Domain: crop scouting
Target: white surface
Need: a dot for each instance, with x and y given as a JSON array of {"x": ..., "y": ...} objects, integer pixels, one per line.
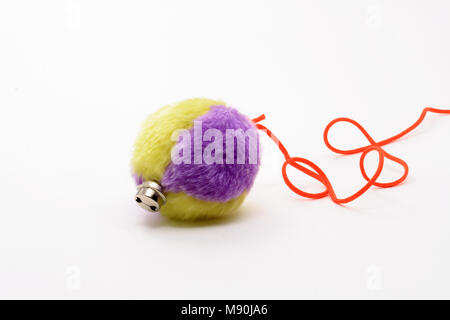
[{"x": 78, "y": 77}]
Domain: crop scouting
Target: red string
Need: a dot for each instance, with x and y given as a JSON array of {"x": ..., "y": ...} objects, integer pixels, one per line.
[{"x": 316, "y": 173}]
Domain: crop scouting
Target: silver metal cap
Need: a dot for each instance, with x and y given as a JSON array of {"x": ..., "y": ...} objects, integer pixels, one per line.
[{"x": 149, "y": 196}]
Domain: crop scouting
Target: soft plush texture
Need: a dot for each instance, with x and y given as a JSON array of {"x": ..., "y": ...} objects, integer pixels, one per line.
[
  {"x": 153, "y": 144},
  {"x": 194, "y": 191},
  {"x": 183, "y": 207},
  {"x": 223, "y": 181}
]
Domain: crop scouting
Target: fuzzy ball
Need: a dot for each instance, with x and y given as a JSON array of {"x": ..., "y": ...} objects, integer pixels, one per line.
[{"x": 204, "y": 154}]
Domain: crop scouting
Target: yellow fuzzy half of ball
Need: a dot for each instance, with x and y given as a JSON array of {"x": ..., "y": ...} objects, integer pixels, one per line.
[{"x": 184, "y": 207}]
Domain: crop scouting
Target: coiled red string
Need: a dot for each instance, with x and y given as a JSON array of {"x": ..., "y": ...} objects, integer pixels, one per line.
[{"x": 316, "y": 173}]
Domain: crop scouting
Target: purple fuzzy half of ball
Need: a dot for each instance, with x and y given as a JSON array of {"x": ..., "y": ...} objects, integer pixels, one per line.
[{"x": 216, "y": 182}]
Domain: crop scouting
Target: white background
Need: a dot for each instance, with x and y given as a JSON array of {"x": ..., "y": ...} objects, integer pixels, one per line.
[{"x": 77, "y": 78}]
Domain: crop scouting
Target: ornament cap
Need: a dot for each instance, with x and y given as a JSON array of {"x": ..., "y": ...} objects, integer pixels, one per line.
[{"x": 149, "y": 196}]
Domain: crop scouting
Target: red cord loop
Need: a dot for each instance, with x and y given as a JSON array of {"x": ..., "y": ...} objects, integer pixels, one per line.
[{"x": 315, "y": 172}]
